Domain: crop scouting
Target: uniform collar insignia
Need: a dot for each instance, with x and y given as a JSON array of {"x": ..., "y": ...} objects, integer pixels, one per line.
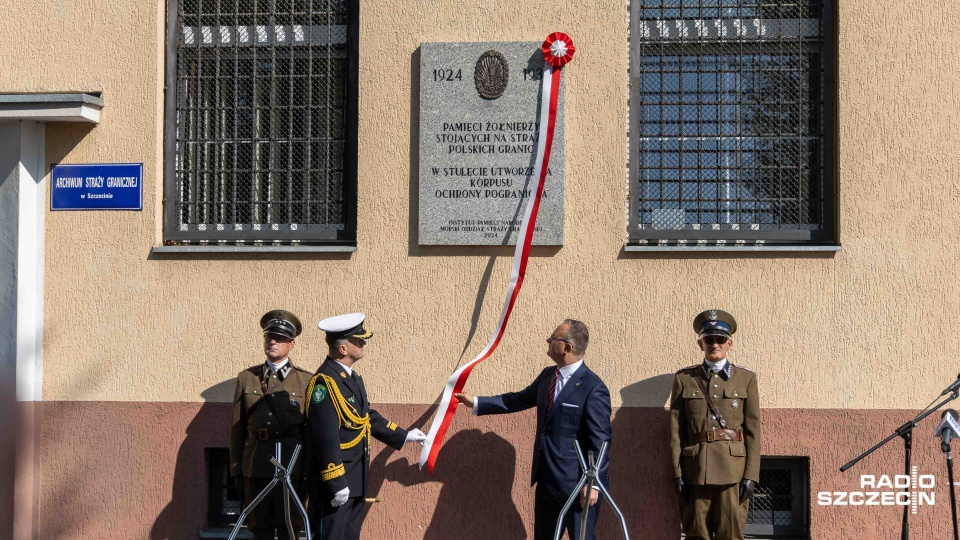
[
  {"x": 343, "y": 375},
  {"x": 725, "y": 372}
]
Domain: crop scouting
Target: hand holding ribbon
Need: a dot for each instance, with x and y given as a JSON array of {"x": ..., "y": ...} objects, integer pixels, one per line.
[{"x": 557, "y": 50}]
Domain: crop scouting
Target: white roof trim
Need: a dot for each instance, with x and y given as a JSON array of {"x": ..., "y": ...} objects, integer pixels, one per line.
[{"x": 59, "y": 107}]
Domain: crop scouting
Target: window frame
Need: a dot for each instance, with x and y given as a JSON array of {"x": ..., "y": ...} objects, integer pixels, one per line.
[
  {"x": 172, "y": 235},
  {"x": 799, "y": 467},
  {"x": 829, "y": 234}
]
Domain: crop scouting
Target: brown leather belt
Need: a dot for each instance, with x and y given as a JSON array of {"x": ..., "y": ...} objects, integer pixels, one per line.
[
  {"x": 713, "y": 435},
  {"x": 267, "y": 434}
]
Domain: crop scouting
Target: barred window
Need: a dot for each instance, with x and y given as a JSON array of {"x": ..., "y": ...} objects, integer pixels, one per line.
[
  {"x": 260, "y": 121},
  {"x": 779, "y": 508},
  {"x": 223, "y": 502},
  {"x": 732, "y": 115}
]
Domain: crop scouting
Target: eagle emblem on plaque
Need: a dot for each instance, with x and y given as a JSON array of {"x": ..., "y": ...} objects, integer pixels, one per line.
[{"x": 491, "y": 74}]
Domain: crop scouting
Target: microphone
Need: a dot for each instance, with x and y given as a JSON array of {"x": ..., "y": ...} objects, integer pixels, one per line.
[
  {"x": 953, "y": 387},
  {"x": 948, "y": 429}
]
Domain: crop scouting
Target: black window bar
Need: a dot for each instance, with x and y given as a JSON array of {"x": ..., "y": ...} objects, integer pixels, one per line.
[
  {"x": 779, "y": 508},
  {"x": 261, "y": 121},
  {"x": 731, "y": 129}
]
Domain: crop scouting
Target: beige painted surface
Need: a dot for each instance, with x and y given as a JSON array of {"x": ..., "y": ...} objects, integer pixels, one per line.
[{"x": 871, "y": 327}]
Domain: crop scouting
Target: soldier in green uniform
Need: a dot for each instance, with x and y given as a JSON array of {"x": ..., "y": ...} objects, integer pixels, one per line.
[
  {"x": 715, "y": 435},
  {"x": 268, "y": 407},
  {"x": 340, "y": 422}
]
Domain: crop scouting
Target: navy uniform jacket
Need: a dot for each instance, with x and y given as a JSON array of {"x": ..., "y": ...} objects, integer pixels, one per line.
[
  {"x": 580, "y": 412},
  {"x": 332, "y": 467}
]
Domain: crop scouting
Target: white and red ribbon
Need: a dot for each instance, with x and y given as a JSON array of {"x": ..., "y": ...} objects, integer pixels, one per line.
[{"x": 558, "y": 49}]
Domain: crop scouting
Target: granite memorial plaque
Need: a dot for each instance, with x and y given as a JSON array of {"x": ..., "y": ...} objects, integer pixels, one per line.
[{"x": 479, "y": 109}]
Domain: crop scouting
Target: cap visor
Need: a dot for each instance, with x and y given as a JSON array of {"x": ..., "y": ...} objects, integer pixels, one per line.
[{"x": 278, "y": 331}]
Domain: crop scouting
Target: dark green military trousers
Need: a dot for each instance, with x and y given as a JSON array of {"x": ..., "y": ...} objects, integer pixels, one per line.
[{"x": 714, "y": 510}]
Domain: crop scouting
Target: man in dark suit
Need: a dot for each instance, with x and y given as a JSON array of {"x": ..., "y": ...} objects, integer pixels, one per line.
[
  {"x": 340, "y": 422},
  {"x": 572, "y": 404}
]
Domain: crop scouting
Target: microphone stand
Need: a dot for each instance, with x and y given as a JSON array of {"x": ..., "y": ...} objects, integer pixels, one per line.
[
  {"x": 905, "y": 432},
  {"x": 945, "y": 446},
  {"x": 591, "y": 478},
  {"x": 281, "y": 475}
]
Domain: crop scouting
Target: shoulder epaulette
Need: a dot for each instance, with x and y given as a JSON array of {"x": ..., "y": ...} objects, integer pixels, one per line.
[
  {"x": 738, "y": 366},
  {"x": 689, "y": 368}
]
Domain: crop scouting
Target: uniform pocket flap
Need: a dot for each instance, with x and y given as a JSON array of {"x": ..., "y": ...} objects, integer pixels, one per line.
[
  {"x": 691, "y": 392},
  {"x": 252, "y": 390},
  {"x": 734, "y": 392},
  {"x": 690, "y": 451},
  {"x": 737, "y": 449}
]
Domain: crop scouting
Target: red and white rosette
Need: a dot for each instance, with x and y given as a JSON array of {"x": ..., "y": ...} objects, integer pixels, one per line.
[{"x": 558, "y": 50}]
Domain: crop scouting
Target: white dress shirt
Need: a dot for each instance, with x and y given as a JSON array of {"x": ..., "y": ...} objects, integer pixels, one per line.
[
  {"x": 717, "y": 366},
  {"x": 278, "y": 366},
  {"x": 348, "y": 368}
]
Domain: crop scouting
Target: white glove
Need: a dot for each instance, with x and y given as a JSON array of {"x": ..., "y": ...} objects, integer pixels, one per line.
[
  {"x": 340, "y": 497},
  {"x": 416, "y": 435}
]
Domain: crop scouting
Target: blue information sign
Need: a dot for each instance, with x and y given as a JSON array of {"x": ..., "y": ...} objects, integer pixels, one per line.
[{"x": 99, "y": 186}]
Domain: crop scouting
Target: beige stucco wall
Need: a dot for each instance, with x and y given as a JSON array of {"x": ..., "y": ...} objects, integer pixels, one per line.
[{"x": 871, "y": 327}]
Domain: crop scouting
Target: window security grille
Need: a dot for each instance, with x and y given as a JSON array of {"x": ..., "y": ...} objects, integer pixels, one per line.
[
  {"x": 729, "y": 123},
  {"x": 779, "y": 505},
  {"x": 224, "y": 505},
  {"x": 259, "y": 121}
]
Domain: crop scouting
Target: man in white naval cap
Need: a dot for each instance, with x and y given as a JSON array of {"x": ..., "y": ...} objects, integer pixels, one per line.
[{"x": 340, "y": 422}]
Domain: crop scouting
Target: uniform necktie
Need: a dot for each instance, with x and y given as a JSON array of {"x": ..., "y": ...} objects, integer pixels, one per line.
[{"x": 553, "y": 388}]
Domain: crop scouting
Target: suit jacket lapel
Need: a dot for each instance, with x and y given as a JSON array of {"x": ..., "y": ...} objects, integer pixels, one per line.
[
  {"x": 568, "y": 387},
  {"x": 362, "y": 394},
  {"x": 335, "y": 370}
]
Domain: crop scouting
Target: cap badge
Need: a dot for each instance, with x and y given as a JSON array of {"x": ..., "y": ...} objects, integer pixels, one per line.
[
  {"x": 713, "y": 314},
  {"x": 713, "y": 323}
]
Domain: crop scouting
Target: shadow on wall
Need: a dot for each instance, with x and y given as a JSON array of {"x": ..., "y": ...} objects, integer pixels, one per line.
[
  {"x": 180, "y": 519},
  {"x": 470, "y": 480},
  {"x": 463, "y": 490},
  {"x": 639, "y": 471}
]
